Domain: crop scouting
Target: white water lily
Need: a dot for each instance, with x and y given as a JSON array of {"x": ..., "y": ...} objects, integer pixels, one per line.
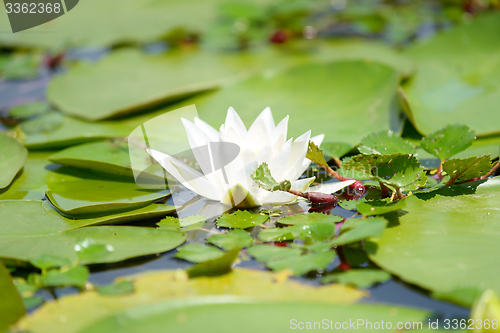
[{"x": 262, "y": 142}]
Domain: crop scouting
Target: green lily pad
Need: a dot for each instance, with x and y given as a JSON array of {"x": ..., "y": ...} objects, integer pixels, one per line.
[
  {"x": 76, "y": 276},
  {"x": 378, "y": 207},
  {"x": 304, "y": 263},
  {"x": 234, "y": 239},
  {"x": 12, "y": 158},
  {"x": 20, "y": 66},
  {"x": 54, "y": 130},
  {"x": 84, "y": 91},
  {"x": 448, "y": 141},
  {"x": 29, "y": 110},
  {"x": 11, "y": 307},
  {"x": 335, "y": 149},
  {"x": 118, "y": 288},
  {"x": 360, "y": 278},
  {"x": 268, "y": 253},
  {"x": 86, "y": 309},
  {"x": 108, "y": 157},
  {"x": 486, "y": 313},
  {"x": 76, "y": 193},
  {"x": 430, "y": 237},
  {"x": 385, "y": 143},
  {"x": 198, "y": 253},
  {"x": 35, "y": 228},
  {"x": 357, "y": 99},
  {"x": 31, "y": 183},
  {"x": 309, "y": 218},
  {"x": 457, "y": 77},
  {"x": 241, "y": 219},
  {"x": 355, "y": 230},
  {"x": 462, "y": 170},
  {"x": 214, "y": 267}
]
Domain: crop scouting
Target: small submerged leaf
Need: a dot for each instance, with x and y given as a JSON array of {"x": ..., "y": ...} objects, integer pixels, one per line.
[
  {"x": 360, "y": 278},
  {"x": 29, "y": 110},
  {"x": 305, "y": 263},
  {"x": 46, "y": 261},
  {"x": 234, "y": 239},
  {"x": 241, "y": 219},
  {"x": 198, "y": 253},
  {"x": 449, "y": 141},
  {"x": 385, "y": 143}
]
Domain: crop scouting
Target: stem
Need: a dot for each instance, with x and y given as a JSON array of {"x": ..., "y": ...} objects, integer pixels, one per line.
[
  {"x": 334, "y": 174},
  {"x": 440, "y": 170},
  {"x": 492, "y": 171},
  {"x": 451, "y": 181},
  {"x": 337, "y": 161},
  {"x": 399, "y": 193}
]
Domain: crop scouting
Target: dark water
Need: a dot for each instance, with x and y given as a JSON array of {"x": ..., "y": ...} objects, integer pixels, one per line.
[{"x": 393, "y": 292}]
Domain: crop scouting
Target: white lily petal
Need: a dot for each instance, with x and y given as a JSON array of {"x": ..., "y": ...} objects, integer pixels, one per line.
[
  {"x": 209, "y": 131},
  {"x": 297, "y": 156},
  {"x": 257, "y": 136},
  {"x": 234, "y": 121},
  {"x": 278, "y": 136},
  {"x": 268, "y": 119},
  {"x": 278, "y": 165},
  {"x": 330, "y": 187},
  {"x": 190, "y": 178}
]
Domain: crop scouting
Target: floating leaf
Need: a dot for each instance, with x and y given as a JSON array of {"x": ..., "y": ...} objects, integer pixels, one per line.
[
  {"x": 11, "y": 306},
  {"x": 234, "y": 239},
  {"x": 118, "y": 288},
  {"x": 86, "y": 309},
  {"x": 378, "y": 207},
  {"x": 335, "y": 149},
  {"x": 280, "y": 234},
  {"x": 462, "y": 170},
  {"x": 449, "y": 141},
  {"x": 30, "y": 231},
  {"x": 262, "y": 176},
  {"x": 385, "y": 143},
  {"x": 304, "y": 263},
  {"x": 442, "y": 222},
  {"x": 170, "y": 223},
  {"x": 76, "y": 276},
  {"x": 198, "y": 253},
  {"x": 46, "y": 261},
  {"x": 20, "y": 66},
  {"x": 357, "y": 100},
  {"x": 457, "y": 77},
  {"x": 29, "y": 110},
  {"x": 241, "y": 219},
  {"x": 12, "y": 158},
  {"x": 355, "y": 230},
  {"x": 95, "y": 195},
  {"x": 309, "y": 218},
  {"x": 268, "y": 253},
  {"x": 191, "y": 221},
  {"x": 360, "y": 278},
  {"x": 214, "y": 267},
  {"x": 30, "y": 184},
  {"x": 158, "y": 78},
  {"x": 109, "y": 157}
]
